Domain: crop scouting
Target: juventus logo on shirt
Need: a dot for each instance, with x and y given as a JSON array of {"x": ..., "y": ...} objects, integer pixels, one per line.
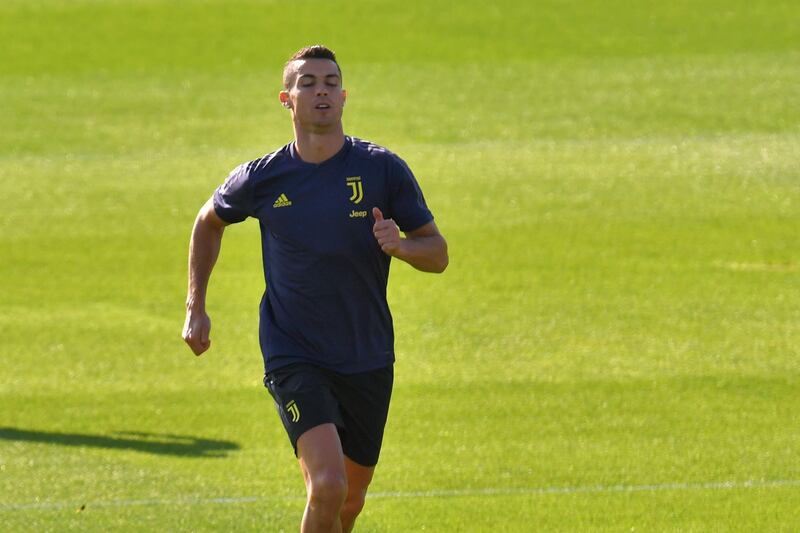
[{"x": 354, "y": 182}]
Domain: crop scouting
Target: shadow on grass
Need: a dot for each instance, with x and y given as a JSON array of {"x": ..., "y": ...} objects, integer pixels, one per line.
[{"x": 163, "y": 444}]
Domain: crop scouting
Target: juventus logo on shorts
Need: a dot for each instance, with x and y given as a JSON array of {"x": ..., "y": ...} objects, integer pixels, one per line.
[{"x": 293, "y": 410}]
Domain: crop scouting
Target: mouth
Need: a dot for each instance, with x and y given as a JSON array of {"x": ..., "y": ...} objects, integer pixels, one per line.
[{"x": 322, "y": 106}]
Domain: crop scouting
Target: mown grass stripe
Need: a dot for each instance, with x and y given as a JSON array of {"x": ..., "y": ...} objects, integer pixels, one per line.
[{"x": 444, "y": 493}]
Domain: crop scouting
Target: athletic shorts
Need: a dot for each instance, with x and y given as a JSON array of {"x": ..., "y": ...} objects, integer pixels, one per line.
[{"x": 307, "y": 396}]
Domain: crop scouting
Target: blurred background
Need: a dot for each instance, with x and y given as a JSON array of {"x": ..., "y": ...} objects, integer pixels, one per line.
[{"x": 615, "y": 342}]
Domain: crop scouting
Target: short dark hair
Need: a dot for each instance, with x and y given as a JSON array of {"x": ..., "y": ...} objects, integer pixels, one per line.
[{"x": 316, "y": 51}]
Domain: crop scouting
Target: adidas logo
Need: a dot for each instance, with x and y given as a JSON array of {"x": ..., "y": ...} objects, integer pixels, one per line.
[{"x": 282, "y": 201}]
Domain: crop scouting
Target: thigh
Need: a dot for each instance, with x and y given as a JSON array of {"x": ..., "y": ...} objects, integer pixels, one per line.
[
  {"x": 319, "y": 451},
  {"x": 358, "y": 478}
]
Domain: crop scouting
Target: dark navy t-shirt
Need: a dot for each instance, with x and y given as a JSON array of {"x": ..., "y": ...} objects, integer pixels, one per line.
[{"x": 326, "y": 276}]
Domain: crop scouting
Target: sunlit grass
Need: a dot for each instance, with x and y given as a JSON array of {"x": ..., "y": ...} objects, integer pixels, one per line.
[{"x": 619, "y": 188}]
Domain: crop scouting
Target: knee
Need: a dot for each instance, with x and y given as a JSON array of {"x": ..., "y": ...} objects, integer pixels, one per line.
[
  {"x": 327, "y": 489},
  {"x": 353, "y": 506}
]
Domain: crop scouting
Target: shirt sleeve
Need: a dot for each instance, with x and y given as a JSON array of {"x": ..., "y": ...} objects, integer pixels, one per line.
[
  {"x": 233, "y": 199},
  {"x": 406, "y": 203}
]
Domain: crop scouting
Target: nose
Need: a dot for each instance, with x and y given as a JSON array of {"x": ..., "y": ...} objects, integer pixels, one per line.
[{"x": 322, "y": 90}]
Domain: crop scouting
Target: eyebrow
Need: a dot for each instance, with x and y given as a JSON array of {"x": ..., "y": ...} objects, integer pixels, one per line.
[{"x": 312, "y": 76}]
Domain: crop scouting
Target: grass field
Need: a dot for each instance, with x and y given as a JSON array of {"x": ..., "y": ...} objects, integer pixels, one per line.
[{"x": 614, "y": 347}]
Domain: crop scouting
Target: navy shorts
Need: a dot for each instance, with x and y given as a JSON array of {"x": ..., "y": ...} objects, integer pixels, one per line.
[{"x": 307, "y": 396}]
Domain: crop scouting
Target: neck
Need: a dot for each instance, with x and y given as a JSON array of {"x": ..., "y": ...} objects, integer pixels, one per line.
[{"x": 316, "y": 147}]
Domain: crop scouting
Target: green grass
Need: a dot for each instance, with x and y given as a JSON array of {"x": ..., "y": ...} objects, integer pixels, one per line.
[{"x": 619, "y": 186}]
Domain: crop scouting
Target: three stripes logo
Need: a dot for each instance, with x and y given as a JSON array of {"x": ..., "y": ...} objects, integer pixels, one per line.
[
  {"x": 354, "y": 183},
  {"x": 282, "y": 201},
  {"x": 293, "y": 410}
]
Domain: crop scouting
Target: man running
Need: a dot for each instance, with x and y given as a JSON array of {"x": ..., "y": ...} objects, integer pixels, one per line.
[{"x": 331, "y": 210}]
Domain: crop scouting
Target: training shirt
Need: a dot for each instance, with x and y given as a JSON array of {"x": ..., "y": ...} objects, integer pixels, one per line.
[{"x": 326, "y": 276}]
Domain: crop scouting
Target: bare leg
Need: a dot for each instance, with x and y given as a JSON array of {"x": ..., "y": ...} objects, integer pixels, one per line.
[
  {"x": 358, "y": 479},
  {"x": 322, "y": 461}
]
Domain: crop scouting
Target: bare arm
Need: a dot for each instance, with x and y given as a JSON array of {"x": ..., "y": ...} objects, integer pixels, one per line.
[
  {"x": 203, "y": 252},
  {"x": 424, "y": 248}
]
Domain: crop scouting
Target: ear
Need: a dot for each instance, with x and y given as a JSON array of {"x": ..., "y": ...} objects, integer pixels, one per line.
[
  {"x": 283, "y": 96},
  {"x": 344, "y": 96}
]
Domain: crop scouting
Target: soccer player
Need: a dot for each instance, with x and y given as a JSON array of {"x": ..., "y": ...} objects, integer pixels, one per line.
[{"x": 331, "y": 210}]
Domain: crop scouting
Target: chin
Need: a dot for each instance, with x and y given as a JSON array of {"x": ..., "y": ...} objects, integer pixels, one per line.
[{"x": 323, "y": 127}]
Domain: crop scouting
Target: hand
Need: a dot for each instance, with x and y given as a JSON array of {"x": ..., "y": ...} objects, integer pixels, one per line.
[
  {"x": 386, "y": 233},
  {"x": 196, "y": 330}
]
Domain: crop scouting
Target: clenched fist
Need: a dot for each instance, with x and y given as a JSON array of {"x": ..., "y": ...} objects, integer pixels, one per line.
[{"x": 196, "y": 331}]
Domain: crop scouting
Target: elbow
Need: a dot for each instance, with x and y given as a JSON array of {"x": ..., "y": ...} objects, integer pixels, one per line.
[{"x": 443, "y": 261}]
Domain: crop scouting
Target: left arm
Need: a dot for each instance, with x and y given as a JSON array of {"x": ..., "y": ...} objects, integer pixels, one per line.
[{"x": 424, "y": 248}]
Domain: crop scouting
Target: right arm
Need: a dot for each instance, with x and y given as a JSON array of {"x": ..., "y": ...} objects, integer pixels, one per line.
[{"x": 203, "y": 252}]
